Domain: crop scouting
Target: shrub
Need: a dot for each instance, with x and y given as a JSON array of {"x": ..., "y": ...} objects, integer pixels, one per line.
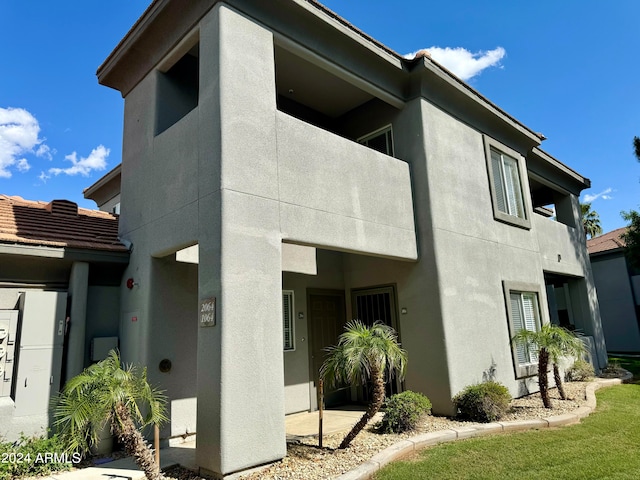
[
  {"x": 483, "y": 402},
  {"x": 403, "y": 411},
  {"x": 34, "y": 456},
  {"x": 580, "y": 371}
]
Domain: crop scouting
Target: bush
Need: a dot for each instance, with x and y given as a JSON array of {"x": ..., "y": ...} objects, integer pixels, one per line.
[
  {"x": 403, "y": 411},
  {"x": 483, "y": 402},
  {"x": 580, "y": 371},
  {"x": 34, "y": 456}
]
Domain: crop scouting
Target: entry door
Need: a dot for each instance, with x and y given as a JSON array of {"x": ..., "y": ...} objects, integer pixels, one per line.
[
  {"x": 373, "y": 304},
  {"x": 326, "y": 323}
]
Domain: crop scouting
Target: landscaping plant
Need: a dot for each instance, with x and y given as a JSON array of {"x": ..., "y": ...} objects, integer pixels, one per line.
[
  {"x": 109, "y": 391},
  {"x": 403, "y": 412},
  {"x": 550, "y": 343},
  {"x": 580, "y": 371},
  {"x": 483, "y": 402},
  {"x": 364, "y": 353},
  {"x": 33, "y": 456}
]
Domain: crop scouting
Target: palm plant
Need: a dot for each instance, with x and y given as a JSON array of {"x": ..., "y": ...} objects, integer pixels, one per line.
[
  {"x": 590, "y": 221},
  {"x": 550, "y": 343},
  {"x": 118, "y": 394},
  {"x": 364, "y": 354},
  {"x": 562, "y": 343}
]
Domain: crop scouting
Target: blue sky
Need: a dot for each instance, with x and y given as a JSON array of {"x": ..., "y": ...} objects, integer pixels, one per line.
[{"x": 568, "y": 69}]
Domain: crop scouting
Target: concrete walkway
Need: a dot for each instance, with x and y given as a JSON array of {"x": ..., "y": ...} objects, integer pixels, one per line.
[
  {"x": 306, "y": 424},
  {"x": 298, "y": 425}
]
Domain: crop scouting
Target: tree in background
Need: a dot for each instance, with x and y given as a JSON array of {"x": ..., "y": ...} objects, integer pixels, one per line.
[
  {"x": 364, "y": 354},
  {"x": 590, "y": 221},
  {"x": 631, "y": 237}
]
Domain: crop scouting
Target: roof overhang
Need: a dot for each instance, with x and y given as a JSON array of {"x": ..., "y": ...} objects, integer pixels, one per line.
[
  {"x": 545, "y": 168},
  {"x": 72, "y": 254},
  {"x": 102, "y": 181}
]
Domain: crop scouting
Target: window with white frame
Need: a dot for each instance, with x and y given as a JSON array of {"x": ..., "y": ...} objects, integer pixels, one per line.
[
  {"x": 506, "y": 181},
  {"x": 523, "y": 311},
  {"x": 380, "y": 140},
  {"x": 287, "y": 320}
]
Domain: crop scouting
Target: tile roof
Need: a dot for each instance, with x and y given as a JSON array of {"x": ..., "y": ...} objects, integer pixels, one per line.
[
  {"x": 59, "y": 223},
  {"x": 608, "y": 241}
]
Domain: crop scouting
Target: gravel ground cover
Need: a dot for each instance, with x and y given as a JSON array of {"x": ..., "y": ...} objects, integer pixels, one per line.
[{"x": 306, "y": 461}]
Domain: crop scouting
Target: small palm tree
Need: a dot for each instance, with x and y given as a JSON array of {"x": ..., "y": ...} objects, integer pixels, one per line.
[
  {"x": 364, "y": 354},
  {"x": 562, "y": 343},
  {"x": 111, "y": 392},
  {"x": 590, "y": 221},
  {"x": 550, "y": 343}
]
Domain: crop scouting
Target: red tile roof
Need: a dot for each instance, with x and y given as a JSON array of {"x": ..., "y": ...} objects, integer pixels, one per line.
[
  {"x": 606, "y": 242},
  {"x": 59, "y": 223}
]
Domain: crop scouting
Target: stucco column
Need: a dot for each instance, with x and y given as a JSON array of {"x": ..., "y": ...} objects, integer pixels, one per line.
[
  {"x": 78, "y": 288},
  {"x": 240, "y": 369}
]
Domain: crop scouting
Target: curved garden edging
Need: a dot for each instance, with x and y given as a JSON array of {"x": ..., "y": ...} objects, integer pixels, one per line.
[{"x": 405, "y": 447}]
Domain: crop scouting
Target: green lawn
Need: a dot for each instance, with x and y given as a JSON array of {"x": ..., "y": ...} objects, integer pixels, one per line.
[
  {"x": 628, "y": 363},
  {"x": 606, "y": 445}
]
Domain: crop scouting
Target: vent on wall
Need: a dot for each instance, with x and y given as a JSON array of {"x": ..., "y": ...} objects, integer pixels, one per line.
[{"x": 63, "y": 207}]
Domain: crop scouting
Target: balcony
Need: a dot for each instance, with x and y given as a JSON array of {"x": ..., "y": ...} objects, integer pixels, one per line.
[
  {"x": 562, "y": 248},
  {"x": 338, "y": 194}
]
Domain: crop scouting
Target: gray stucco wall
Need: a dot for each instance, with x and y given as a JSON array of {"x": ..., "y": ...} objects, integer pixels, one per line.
[
  {"x": 237, "y": 177},
  {"x": 475, "y": 254}
]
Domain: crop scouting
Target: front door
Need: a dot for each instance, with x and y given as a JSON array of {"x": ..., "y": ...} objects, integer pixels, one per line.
[
  {"x": 370, "y": 305},
  {"x": 326, "y": 323}
]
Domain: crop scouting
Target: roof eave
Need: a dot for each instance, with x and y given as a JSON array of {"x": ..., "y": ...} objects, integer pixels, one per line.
[{"x": 102, "y": 181}]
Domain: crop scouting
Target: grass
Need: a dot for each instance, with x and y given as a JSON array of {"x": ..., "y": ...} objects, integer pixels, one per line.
[
  {"x": 605, "y": 445},
  {"x": 631, "y": 364}
]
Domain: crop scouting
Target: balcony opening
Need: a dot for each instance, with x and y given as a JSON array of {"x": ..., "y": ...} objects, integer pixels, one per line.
[
  {"x": 178, "y": 89},
  {"x": 321, "y": 94},
  {"x": 551, "y": 202}
]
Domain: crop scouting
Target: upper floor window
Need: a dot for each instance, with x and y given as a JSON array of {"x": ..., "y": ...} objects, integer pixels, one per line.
[
  {"x": 506, "y": 180},
  {"x": 380, "y": 140}
]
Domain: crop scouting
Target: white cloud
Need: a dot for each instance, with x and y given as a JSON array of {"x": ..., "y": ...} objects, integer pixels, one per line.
[
  {"x": 44, "y": 177},
  {"x": 603, "y": 195},
  {"x": 97, "y": 160},
  {"x": 44, "y": 151},
  {"x": 23, "y": 165},
  {"x": 462, "y": 62},
  {"x": 19, "y": 132}
]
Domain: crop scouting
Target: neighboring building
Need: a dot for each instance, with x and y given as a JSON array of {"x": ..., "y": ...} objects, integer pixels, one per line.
[
  {"x": 60, "y": 272},
  {"x": 283, "y": 172},
  {"x": 618, "y": 286}
]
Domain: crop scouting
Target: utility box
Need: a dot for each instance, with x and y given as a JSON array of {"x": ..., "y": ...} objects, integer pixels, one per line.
[
  {"x": 39, "y": 356},
  {"x": 8, "y": 330}
]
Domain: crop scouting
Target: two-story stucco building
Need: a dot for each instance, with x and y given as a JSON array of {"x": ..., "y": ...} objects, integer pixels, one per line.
[{"x": 282, "y": 173}]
